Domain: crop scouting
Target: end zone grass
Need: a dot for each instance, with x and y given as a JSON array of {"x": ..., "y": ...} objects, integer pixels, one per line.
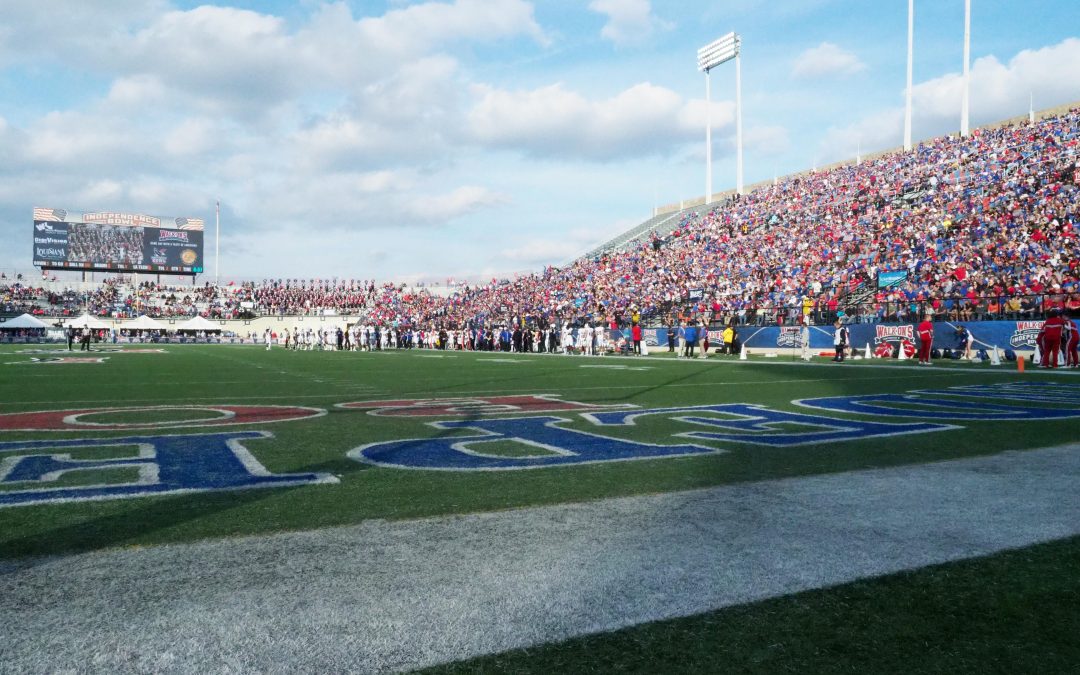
[{"x": 193, "y": 375}]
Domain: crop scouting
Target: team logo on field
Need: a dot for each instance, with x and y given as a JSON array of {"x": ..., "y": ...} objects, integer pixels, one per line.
[
  {"x": 60, "y": 360},
  {"x": 474, "y": 406},
  {"x": 103, "y": 419},
  {"x": 40, "y": 472},
  {"x": 1025, "y": 334}
]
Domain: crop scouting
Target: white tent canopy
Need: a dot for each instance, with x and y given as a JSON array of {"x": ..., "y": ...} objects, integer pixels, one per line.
[
  {"x": 197, "y": 323},
  {"x": 144, "y": 323},
  {"x": 87, "y": 321},
  {"x": 24, "y": 321}
]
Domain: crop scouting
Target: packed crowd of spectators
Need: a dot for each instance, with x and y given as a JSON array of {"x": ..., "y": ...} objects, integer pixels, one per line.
[{"x": 971, "y": 228}]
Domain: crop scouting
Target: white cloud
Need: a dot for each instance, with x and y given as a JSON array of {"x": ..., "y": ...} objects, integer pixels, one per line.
[
  {"x": 137, "y": 90},
  {"x": 191, "y": 137},
  {"x": 767, "y": 140},
  {"x": 628, "y": 21},
  {"x": 244, "y": 63},
  {"x": 33, "y": 31},
  {"x": 553, "y": 121},
  {"x": 441, "y": 208},
  {"x": 998, "y": 91},
  {"x": 824, "y": 60},
  {"x": 101, "y": 192},
  {"x": 413, "y": 115},
  {"x": 428, "y": 25},
  {"x": 1051, "y": 74},
  {"x": 539, "y": 251}
]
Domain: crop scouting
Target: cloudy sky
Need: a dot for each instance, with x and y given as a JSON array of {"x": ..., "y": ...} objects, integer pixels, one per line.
[{"x": 468, "y": 138}]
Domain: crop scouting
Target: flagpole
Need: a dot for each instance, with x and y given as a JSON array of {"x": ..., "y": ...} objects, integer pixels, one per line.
[{"x": 217, "y": 243}]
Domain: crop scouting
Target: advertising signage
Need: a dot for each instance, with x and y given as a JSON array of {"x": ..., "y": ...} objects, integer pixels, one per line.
[{"x": 120, "y": 242}]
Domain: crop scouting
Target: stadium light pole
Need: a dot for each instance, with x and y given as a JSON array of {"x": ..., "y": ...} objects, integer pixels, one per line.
[
  {"x": 738, "y": 121},
  {"x": 910, "y": 60},
  {"x": 965, "y": 101},
  {"x": 217, "y": 243},
  {"x": 711, "y": 55}
]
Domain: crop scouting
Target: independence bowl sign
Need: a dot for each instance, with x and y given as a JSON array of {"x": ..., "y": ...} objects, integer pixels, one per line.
[{"x": 151, "y": 462}]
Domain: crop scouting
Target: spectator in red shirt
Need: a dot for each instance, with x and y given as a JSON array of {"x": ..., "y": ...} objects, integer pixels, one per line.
[{"x": 926, "y": 340}]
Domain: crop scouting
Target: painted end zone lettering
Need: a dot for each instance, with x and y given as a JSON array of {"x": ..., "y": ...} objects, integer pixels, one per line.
[
  {"x": 758, "y": 425},
  {"x": 559, "y": 447},
  {"x": 59, "y": 360},
  {"x": 217, "y": 416},
  {"x": 164, "y": 465},
  {"x": 469, "y": 406},
  {"x": 937, "y": 406},
  {"x": 97, "y": 350}
]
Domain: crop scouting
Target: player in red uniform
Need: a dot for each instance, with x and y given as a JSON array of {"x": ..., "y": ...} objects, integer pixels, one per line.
[
  {"x": 926, "y": 340},
  {"x": 1050, "y": 336},
  {"x": 1072, "y": 341}
]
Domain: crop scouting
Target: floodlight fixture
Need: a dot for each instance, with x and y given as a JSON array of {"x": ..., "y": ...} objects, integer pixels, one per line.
[{"x": 719, "y": 51}]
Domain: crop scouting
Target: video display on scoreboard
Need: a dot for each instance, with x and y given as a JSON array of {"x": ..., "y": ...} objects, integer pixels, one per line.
[{"x": 122, "y": 242}]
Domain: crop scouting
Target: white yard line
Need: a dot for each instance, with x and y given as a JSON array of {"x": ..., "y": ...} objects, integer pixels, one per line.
[
  {"x": 384, "y": 596},
  {"x": 452, "y": 393}
]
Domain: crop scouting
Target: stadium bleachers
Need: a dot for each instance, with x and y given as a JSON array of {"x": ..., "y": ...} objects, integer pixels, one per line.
[{"x": 974, "y": 227}]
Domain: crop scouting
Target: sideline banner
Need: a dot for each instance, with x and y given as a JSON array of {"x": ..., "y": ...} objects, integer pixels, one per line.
[{"x": 1002, "y": 334}]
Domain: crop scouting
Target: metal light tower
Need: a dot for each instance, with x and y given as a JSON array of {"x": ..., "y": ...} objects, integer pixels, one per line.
[
  {"x": 910, "y": 59},
  {"x": 710, "y": 56},
  {"x": 217, "y": 243},
  {"x": 967, "y": 69}
]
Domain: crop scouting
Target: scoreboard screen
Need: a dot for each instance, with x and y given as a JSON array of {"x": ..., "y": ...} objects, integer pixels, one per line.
[{"x": 120, "y": 242}]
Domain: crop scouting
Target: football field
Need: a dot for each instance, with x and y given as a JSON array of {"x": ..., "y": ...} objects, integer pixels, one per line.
[{"x": 214, "y": 507}]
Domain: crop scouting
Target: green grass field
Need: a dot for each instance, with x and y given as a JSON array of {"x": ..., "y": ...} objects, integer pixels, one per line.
[{"x": 1019, "y": 609}]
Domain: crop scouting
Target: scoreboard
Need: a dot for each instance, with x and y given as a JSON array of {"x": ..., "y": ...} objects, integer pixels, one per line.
[{"x": 117, "y": 242}]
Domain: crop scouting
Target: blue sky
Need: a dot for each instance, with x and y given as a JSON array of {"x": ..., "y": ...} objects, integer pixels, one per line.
[{"x": 468, "y": 138}]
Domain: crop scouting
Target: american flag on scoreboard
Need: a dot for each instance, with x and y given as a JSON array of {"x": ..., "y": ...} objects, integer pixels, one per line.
[
  {"x": 55, "y": 215},
  {"x": 190, "y": 224}
]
